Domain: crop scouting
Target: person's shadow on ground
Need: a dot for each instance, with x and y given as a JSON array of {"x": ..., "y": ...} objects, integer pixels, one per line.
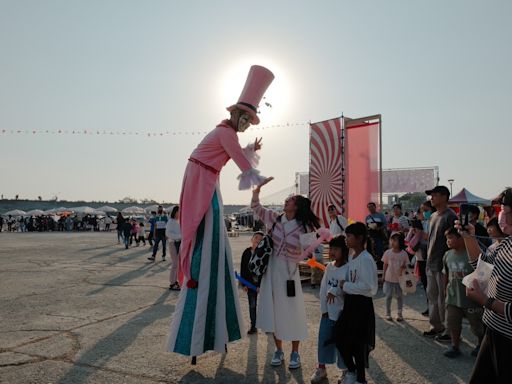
[{"x": 116, "y": 342}]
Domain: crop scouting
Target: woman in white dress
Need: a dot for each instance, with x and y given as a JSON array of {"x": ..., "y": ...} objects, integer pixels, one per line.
[{"x": 281, "y": 309}]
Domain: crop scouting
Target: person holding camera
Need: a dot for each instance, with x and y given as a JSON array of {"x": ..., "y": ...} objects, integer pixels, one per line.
[
  {"x": 281, "y": 309},
  {"x": 377, "y": 223},
  {"x": 493, "y": 362}
]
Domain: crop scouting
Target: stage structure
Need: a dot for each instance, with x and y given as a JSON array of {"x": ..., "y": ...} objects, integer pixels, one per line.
[
  {"x": 302, "y": 183},
  {"x": 400, "y": 181},
  {"x": 345, "y": 165}
]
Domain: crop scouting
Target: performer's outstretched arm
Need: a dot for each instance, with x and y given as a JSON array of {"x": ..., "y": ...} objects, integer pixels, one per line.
[{"x": 266, "y": 215}]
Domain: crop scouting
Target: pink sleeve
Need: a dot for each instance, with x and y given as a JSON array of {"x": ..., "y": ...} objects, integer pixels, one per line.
[
  {"x": 229, "y": 141},
  {"x": 409, "y": 236},
  {"x": 266, "y": 215},
  {"x": 385, "y": 258}
]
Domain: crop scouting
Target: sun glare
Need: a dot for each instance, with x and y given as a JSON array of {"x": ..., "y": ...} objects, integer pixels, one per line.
[{"x": 274, "y": 106}]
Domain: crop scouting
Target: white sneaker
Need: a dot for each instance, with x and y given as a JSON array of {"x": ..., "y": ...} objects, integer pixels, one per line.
[
  {"x": 294, "y": 360},
  {"x": 319, "y": 375},
  {"x": 342, "y": 376},
  {"x": 350, "y": 378},
  {"x": 278, "y": 358}
]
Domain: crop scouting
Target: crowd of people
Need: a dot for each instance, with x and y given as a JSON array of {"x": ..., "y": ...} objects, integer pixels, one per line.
[
  {"x": 431, "y": 244},
  {"x": 53, "y": 223},
  {"x": 164, "y": 229}
]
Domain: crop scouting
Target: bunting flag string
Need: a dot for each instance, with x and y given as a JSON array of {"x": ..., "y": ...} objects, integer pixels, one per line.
[{"x": 96, "y": 132}]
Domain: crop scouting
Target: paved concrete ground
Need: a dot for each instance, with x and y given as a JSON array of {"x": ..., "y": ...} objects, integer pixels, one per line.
[{"x": 79, "y": 308}]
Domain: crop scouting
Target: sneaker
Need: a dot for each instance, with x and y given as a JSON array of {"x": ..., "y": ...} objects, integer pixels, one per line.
[
  {"x": 278, "y": 358},
  {"x": 475, "y": 351},
  {"x": 294, "y": 360},
  {"x": 319, "y": 375},
  {"x": 446, "y": 338},
  {"x": 432, "y": 333},
  {"x": 389, "y": 318},
  {"x": 342, "y": 376},
  {"x": 350, "y": 378},
  {"x": 452, "y": 353},
  {"x": 399, "y": 318},
  {"x": 152, "y": 258},
  {"x": 252, "y": 331},
  {"x": 175, "y": 287}
]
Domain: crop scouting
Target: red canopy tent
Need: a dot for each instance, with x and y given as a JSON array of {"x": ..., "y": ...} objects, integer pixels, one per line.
[{"x": 466, "y": 197}]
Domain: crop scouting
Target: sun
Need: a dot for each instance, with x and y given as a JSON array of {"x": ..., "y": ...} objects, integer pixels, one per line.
[{"x": 274, "y": 106}]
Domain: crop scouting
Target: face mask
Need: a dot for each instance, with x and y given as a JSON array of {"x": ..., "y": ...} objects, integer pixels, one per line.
[
  {"x": 427, "y": 214},
  {"x": 244, "y": 121}
]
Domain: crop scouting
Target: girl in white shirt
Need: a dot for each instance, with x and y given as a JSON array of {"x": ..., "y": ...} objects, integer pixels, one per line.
[
  {"x": 141, "y": 234},
  {"x": 331, "y": 305},
  {"x": 356, "y": 327}
]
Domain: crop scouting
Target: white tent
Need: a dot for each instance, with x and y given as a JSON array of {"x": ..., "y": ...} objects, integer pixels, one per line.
[
  {"x": 15, "y": 212},
  {"x": 57, "y": 210},
  {"x": 134, "y": 210},
  {"x": 99, "y": 212},
  {"x": 85, "y": 210},
  {"x": 152, "y": 208},
  {"x": 35, "y": 212},
  {"x": 107, "y": 209}
]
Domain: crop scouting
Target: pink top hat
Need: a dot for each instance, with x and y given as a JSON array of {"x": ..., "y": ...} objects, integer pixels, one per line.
[{"x": 257, "y": 82}]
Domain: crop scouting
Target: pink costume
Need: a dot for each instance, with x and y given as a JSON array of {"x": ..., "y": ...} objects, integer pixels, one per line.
[
  {"x": 202, "y": 176},
  {"x": 207, "y": 315}
]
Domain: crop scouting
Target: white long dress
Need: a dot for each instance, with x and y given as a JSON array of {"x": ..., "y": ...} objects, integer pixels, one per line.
[{"x": 284, "y": 316}]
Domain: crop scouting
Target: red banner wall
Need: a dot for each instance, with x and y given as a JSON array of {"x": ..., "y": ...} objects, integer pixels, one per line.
[{"x": 362, "y": 161}]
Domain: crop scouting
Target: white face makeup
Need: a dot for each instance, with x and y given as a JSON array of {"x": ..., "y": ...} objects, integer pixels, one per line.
[{"x": 244, "y": 122}]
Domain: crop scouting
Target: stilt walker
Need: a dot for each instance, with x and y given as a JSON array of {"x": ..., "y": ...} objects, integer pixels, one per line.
[{"x": 207, "y": 315}]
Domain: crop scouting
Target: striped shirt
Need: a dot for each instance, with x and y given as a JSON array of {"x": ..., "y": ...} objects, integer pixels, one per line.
[
  {"x": 402, "y": 221},
  {"x": 500, "y": 286},
  {"x": 286, "y": 233}
]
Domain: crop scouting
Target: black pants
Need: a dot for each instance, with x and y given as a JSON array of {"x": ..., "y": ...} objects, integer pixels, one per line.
[
  {"x": 150, "y": 238},
  {"x": 423, "y": 272},
  {"x": 493, "y": 362},
  {"x": 354, "y": 355},
  {"x": 252, "y": 297}
]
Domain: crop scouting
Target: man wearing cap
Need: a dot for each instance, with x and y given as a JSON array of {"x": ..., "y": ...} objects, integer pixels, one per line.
[
  {"x": 441, "y": 220},
  {"x": 207, "y": 314}
]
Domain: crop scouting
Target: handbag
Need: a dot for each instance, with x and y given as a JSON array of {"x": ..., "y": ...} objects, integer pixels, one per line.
[
  {"x": 258, "y": 263},
  {"x": 408, "y": 282}
]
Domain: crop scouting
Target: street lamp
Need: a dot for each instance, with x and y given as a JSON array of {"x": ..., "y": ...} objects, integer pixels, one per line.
[{"x": 451, "y": 184}]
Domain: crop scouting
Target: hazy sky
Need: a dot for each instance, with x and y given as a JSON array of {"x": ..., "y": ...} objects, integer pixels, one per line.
[{"x": 439, "y": 72}]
